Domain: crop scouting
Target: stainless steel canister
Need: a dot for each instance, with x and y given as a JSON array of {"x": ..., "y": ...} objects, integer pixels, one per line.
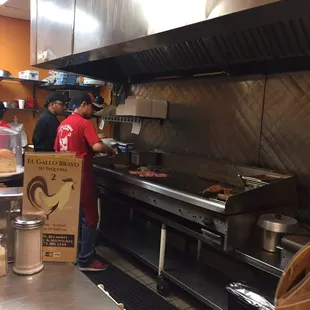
[
  {"x": 28, "y": 244},
  {"x": 274, "y": 227}
]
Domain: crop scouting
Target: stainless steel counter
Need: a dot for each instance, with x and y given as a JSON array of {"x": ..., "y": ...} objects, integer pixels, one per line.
[
  {"x": 272, "y": 263},
  {"x": 58, "y": 286}
]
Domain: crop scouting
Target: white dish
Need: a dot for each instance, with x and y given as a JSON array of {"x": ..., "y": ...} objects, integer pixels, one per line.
[{"x": 19, "y": 170}]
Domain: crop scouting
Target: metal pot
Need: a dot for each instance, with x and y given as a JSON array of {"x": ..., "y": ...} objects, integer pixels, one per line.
[
  {"x": 274, "y": 227},
  {"x": 5, "y": 73}
]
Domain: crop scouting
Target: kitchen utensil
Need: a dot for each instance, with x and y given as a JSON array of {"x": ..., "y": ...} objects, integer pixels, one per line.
[
  {"x": 252, "y": 181},
  {"x": 243, "y": 181},
  {"x": 274, "y": 227},
  {"x": 5, "y": 73}
]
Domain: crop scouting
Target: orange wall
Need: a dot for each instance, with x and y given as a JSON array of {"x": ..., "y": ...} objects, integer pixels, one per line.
[{"x": 15, "y": 57}]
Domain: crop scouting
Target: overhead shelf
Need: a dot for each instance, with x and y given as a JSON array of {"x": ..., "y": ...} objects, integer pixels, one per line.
[
  {"x": 25, "y": 110},
  {"x": 112, "y": 119},
  {"x": 13, "y": 79},
  {"x": 70, "y": 87},
  {"x": 126, "y": 119},
  {"x": 35, "y": 111}
]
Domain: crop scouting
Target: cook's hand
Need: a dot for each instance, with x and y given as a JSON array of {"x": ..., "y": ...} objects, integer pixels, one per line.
[{"x": 113, "y": 152}]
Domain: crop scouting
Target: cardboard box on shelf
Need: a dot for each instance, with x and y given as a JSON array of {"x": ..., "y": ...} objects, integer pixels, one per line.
[
  {"x": 138, "y": 106},
  {"x": 120, "y": 110},
  {"x": 29, "y": 75},
  {"x": 159, "y": 108},
  {"x": 49, "y": 192}
]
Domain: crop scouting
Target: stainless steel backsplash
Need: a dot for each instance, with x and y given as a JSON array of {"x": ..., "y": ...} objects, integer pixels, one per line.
[{"x": 259, "y": 121}]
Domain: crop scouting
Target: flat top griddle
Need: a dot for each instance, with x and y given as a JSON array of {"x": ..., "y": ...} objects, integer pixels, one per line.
[
  {"x": 188, "y": 188},
  {"x": 181, "y": 181}
]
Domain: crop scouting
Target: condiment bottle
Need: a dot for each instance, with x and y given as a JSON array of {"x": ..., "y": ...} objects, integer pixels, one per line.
[
  {"x": 28, "y": 244},
  {"x": 3, "y": 256}
]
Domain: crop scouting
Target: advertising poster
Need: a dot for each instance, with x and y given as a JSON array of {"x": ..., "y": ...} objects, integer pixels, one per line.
[{"x": 52, "y": 185}]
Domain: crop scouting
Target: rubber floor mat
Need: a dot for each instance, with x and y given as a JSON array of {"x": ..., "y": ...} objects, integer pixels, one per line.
[{"x": 125, "y": 289}]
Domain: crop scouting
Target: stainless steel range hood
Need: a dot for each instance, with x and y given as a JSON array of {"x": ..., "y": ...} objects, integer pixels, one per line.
[{"x": 138, "y": 40}]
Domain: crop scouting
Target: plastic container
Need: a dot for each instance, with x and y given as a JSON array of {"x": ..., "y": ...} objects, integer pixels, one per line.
[
  {"x": 10, "y": 152},
  {"x": 3, "y": 256},
  {"x": 28, "y": 244},
  {"x": 21, "y": 103},
  {"x": 29, "y": 75}
]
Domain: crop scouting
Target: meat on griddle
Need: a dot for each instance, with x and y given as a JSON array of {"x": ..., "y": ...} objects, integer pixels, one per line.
[
  {"x": 120, "y": 166},
  {"x": 227, "y": 190},
  {"x": 148, "y": 174},
  {"x": 223, "y": 197},
  {"x": 217, "y": 189},
  {"x": 214, "y": 189}
]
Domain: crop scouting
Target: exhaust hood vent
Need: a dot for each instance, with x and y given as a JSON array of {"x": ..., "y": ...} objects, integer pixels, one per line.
[
  {"x": 282, "y": 41},
  {"x": 269, "y": 38}
]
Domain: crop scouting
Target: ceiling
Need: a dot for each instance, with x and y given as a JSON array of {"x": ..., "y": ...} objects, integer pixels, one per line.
[{"x": 16, "y": 8}]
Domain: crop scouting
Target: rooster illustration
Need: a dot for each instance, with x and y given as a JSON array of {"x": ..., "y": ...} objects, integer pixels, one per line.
[{"x": 40, "y": 199}]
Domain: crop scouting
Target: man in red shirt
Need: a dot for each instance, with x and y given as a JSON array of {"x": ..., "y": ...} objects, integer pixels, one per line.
[
  {"x": 77, "y": 134},
  {"x": 2, "y": 111}
]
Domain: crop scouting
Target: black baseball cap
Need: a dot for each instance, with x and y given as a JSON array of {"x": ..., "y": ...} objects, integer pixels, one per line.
[
  {"x": 78, "y": 97},
  {"x": 56, "y": 96},
  {"x": 2, "y": 107}
]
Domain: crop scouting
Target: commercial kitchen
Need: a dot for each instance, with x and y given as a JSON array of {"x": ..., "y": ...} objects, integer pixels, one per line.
[{"x": 209, "y": 112}]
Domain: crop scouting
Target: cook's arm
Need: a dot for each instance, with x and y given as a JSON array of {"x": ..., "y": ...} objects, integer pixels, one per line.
[{"x": 94, "y": 141}]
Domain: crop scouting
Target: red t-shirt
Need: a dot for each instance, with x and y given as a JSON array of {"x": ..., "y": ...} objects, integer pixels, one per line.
[
  {"x": 77, "y": 134},
  {"x": 4, "y": 124}
]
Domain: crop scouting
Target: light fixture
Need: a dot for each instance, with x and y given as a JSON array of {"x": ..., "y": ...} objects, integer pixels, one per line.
[{"x": 3, "y": 1}]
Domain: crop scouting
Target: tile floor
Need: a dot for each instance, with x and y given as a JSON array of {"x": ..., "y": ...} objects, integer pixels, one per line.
[{"x": 141, "y": 273}]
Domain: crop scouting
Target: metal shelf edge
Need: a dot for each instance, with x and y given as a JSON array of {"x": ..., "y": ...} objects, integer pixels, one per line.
[{"x": 12, "y": 79}]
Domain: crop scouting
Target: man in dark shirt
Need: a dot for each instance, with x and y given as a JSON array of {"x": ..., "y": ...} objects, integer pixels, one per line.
[
  {"x": 45, "y": 131},
  {"x": 2, "y": 111}
]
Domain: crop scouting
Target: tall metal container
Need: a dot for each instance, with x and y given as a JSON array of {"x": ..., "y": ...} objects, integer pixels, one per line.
[{"x": 10, "y": 208}]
